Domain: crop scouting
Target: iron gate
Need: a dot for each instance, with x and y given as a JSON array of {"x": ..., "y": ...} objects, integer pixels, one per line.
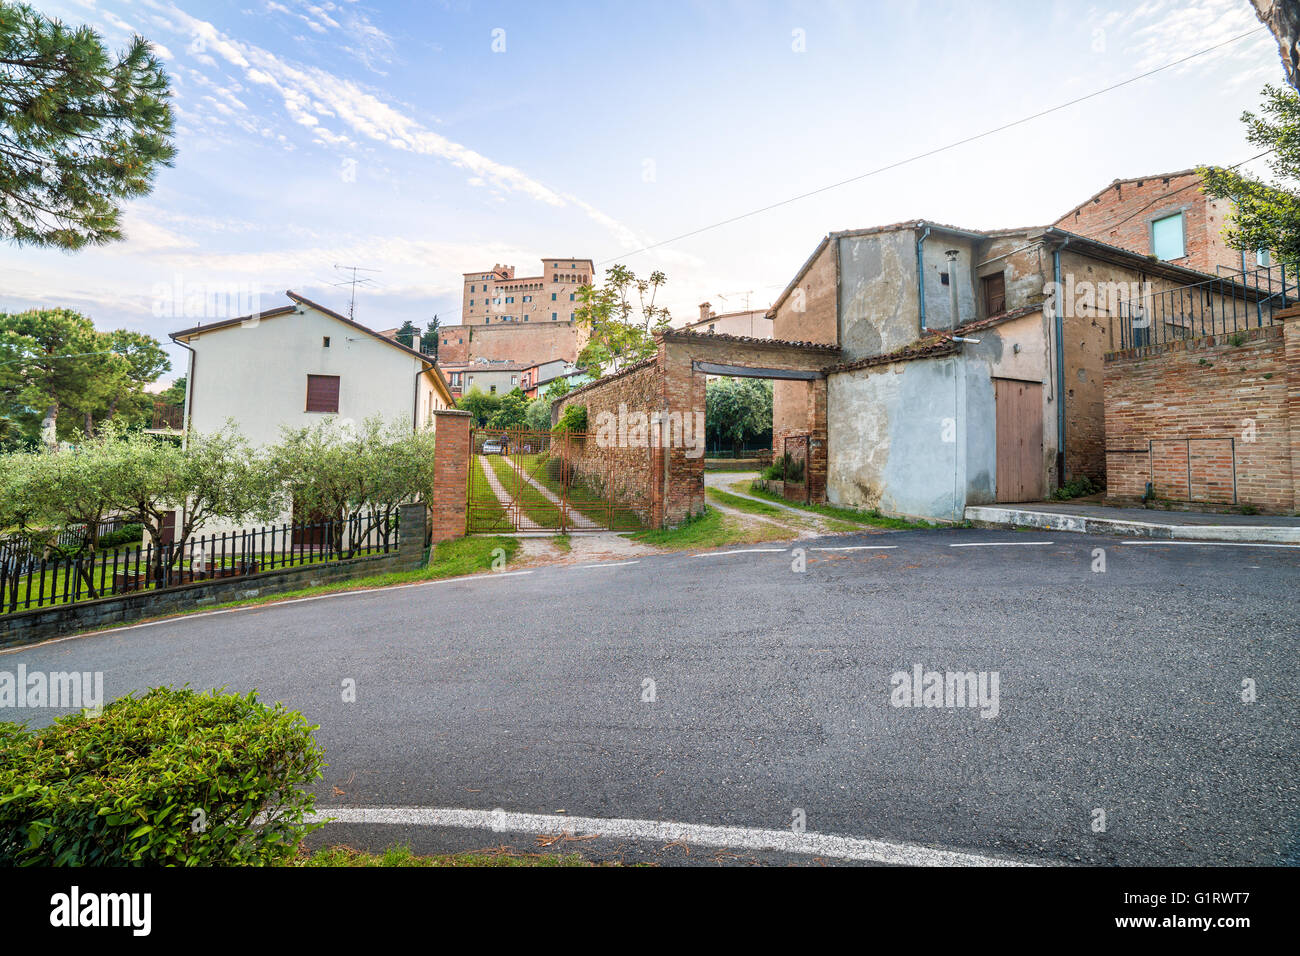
[{"x": 522, "y": 480}]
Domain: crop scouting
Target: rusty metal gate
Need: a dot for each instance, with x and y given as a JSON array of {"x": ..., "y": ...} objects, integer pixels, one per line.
[
  {"x": 796, "y": 447},
  {"x": 522, "y": 480}
]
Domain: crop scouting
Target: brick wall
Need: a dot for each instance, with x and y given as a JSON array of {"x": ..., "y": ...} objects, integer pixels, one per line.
[
  {"x": 1180, "y": 414},
  {"x": 605, "y": 461},
  {"x": 450, "y": 473},
  {"x": 525, "y": 343},
  {"x": 1122, "y": 213}
]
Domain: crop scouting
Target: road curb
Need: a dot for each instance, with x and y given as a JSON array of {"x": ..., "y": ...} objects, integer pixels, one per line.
[{"x": 988, "y": 517}]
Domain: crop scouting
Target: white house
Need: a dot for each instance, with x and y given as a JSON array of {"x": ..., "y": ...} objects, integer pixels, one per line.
[{"x": 292, "y": 365}]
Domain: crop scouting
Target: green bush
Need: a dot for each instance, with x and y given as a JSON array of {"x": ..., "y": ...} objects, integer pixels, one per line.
[
  {"x": 127, "y": 534},
  {"x": 572, "y": 419},
  {"x": 785, "y": 468},
  {"x": 1078, "y": 488},
  {"x": 171, "y": 778}
]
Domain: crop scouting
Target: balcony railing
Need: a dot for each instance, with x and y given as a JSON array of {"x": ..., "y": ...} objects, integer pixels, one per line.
[
  {"x": 168, "y": 417},
  {"x": 1227, "y": 303}
]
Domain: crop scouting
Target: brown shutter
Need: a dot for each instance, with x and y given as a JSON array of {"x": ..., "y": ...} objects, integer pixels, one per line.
[{"x": 323, "y": 393}]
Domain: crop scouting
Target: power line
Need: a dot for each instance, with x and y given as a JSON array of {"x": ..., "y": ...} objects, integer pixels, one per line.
[
  {"x": 937, "y": 150},
  {"x": 1198, "y": 181}
]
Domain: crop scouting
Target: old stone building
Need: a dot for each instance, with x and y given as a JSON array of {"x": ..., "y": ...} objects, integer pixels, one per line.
[
  {"x": 970, "y": 362},
  {"x": 521, "y": 319}
]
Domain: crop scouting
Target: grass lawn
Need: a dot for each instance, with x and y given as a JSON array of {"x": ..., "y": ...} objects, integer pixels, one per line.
[
  {"x": 533, "y": 503},
  {"x": 745, "y": 504},
  {"x": 563, "y": 543},
  {"x": 709, "y": 529},
  {"x": 582, "y": 499},
  {"x": 485, "y": 512},
  {"x": 873, "y": 518},
  {"x": 403, "y": 857}
]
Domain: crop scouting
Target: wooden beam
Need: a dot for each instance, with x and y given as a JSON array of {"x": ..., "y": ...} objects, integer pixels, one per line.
[{"x": 747, "y": 371}]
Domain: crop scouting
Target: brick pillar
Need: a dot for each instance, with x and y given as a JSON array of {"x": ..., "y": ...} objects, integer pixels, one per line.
[
  {"x": 450, "y": 473},
  {"x": 411, "y": 529},
  {"x": 1291, "y": 336},
  {"x": 816, "y": 466}
]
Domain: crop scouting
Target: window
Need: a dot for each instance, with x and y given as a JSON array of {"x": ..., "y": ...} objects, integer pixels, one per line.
[
  {"x": 471, "y": 303},
  {"x": 554, "y": 316},
  {"x": 323, "y": 393},
  {"x": 1167, "y": 238},
  {"x": 552, "y": 296},
  {"x": 528, "y": 298},
  {"x": 993, "y": 290},
  {"x": 325, "y": 342},
  {"x": 1263, "y": 259},
  {"x": 472, "y": 289},
  {"x": 570, "y": 296},
  {"x": 514, "y": 379},
  {"x": 492, "y": 389}
]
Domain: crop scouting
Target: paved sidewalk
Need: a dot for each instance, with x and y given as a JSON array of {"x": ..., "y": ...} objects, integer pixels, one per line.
[{"x": 1138, "y": 522}]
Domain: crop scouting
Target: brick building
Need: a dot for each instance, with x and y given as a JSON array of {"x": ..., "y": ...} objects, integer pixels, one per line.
[
  {"x": 1166, "y": 216},
  {"x": 522, "y": 319}
]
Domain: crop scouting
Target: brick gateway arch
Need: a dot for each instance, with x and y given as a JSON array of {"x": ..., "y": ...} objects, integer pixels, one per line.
[{"x": 645, "y": 441}]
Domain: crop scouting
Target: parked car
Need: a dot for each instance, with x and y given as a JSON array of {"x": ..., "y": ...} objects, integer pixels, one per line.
[{"x": 494, "y": 446}]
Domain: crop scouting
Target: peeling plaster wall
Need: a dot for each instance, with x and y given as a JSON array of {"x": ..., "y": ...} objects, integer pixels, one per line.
[{"x": 886, "y": 426}]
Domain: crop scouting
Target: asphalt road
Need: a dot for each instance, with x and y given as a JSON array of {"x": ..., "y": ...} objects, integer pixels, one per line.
[{"x": 1119, "y": 691}]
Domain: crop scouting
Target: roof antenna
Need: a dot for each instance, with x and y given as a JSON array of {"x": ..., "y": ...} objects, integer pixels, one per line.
[{"x": 354, "y": 282}]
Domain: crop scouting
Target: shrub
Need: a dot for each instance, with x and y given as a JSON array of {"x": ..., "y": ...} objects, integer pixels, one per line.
[
  {"x": 572, "y": 419},
  {"x": 785, "y": 468},
  {"x": 127, "y": 534},
  {"x": 1078, "y": 488},
  {"x": 171, "y": 778}
]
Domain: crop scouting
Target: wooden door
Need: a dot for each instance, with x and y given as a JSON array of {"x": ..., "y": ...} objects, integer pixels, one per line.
[{"x": 1019, "y": 439}]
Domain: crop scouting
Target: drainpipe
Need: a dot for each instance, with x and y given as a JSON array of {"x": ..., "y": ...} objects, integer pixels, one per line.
[
  {"x": 920, "y": 274},
  {"x": 189, "y": 391},
  {"x": 1057, "y": 311}
]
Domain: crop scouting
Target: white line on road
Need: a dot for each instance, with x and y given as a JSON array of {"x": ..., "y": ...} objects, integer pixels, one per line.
[
  {"x": 747, "y": 838},
  {"x": 860, "y": 547},
  {"x": 603, "y": 564},
  {"x": 999, "y": 544},
  {"x": 1213, "y": 544},
  {"x": 723, "y": 554}
]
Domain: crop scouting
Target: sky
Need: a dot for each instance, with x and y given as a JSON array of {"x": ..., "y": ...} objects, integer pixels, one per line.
[{"x": 422, "y": 140}]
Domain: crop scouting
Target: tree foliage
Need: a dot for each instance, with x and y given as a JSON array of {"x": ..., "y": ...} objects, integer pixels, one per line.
[
  {"x": 406, "y": 334},
  {"x": 620, "y": 319},
  {"x": 480, "y": 404},
  {"x": 80, "y": 130},
  {"x": 59, "y": 376},
  {"x": 737, "y": 410},
  {"x": 1267, "y": 214},
  {"x": 429, "y": 338}
]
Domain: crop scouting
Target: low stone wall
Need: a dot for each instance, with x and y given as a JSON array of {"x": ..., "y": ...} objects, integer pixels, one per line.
[{"x": 27, "y": 627}]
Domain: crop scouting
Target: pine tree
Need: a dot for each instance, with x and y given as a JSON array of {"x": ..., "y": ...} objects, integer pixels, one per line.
[{"x": 80, "y": 130}]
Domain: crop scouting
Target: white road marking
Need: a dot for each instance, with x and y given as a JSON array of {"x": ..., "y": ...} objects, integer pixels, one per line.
[
  {"x": 723, "y": 554},
  {"x": 1213, "y": 544},
  {"x": 747, "y": 838},
  {"x": 860, "y": 547},
  {"x": 999, "y": 544},
  {"x": 603, "y": 564},
  {"x": 263, "y": 606}
]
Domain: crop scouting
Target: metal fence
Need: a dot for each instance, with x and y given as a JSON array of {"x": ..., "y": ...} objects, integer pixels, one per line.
[
  {"x": 37, "y": 577},
  {"x": 1232, "y": 302}
]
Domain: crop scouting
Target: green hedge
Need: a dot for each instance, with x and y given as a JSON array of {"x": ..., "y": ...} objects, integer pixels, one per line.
[
  {"x": 127, "y": 534},
  {"x": 171, "y": 778}
]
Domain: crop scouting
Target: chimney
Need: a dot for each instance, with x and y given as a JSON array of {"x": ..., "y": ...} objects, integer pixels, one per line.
[
  {"x": 705, "y": 310},
  {"x": 952, "y": 255}
]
